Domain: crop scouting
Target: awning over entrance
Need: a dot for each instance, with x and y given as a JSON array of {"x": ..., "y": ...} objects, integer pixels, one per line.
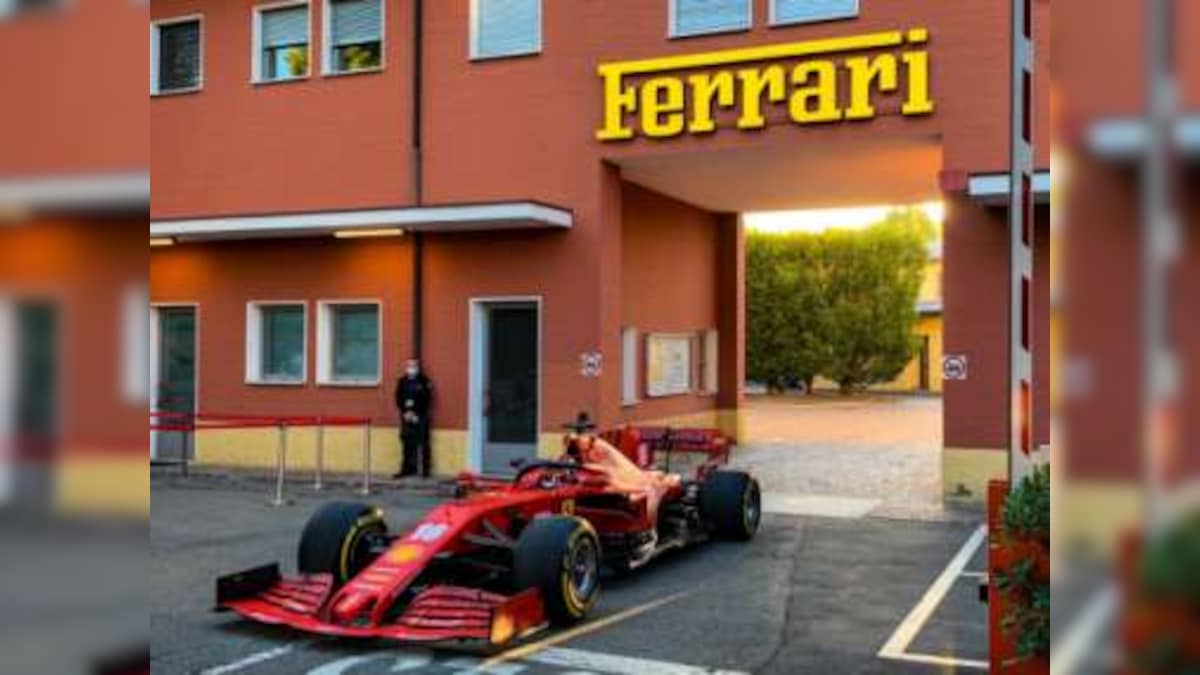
[
  {"x": 449, "y": 218},
  {"x": 993, "y": 188},
  {"x": 98, "y": 191},
  {"x": 1127, "y": 138}
]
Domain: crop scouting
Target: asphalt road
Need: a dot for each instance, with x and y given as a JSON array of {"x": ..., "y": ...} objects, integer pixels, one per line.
[{"x": 807, "y": 595}]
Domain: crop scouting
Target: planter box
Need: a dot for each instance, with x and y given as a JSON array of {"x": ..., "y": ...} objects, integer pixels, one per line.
[
  {"x": 1005, "y": 551},
  {"x": 1147, "y": 622}
]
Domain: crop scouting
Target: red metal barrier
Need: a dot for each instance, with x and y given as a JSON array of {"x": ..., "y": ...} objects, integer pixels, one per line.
[{"x": 188, "y": 423}]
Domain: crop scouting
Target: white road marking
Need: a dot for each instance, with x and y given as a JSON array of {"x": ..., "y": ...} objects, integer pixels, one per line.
[
  {"x": 1078, "y": 640},
  {"x": 825, "y": 506},
  {"x": 470, "y": 664},
  {"x": 897, "y": 645},
  {"x": 342, "y": 665},
  {"x": 579, "y": 659},
  {"x": 253, "y": 660},
  {"x": 412, "y": 660},
  {"x": 942, "y": 661}
]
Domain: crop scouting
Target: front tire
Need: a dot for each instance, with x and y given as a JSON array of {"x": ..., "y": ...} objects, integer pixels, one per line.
[
  {"x": 731, "y": 505},
  {"x": 338, "y": 540},
  {"x": 560, "y": 556}
]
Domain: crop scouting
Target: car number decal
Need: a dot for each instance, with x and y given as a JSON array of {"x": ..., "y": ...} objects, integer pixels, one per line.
[{"x": 428, "y": 532}]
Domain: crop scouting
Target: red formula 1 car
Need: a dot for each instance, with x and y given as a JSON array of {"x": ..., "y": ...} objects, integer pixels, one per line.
[{"x": 504, "y": 559}]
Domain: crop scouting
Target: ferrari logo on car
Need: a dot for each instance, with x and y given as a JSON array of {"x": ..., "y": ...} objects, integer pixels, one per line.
[{"x": 568, "y": 507}]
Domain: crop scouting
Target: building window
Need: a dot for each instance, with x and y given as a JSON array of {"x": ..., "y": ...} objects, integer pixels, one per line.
[
  {"x": 805, "y": 11},
  {"x": 276, "y": 341},
  {"x": 505, "y": 28},
  {"x": 281, "y": 42},
  {"x": 629, "y": 365},
  {"x": 135, "y": 344},
  {"x": 709, "y": 374},
  {"x": 348, "y": 343},
  {"x": 354, "y": 35},
  {"x": 700, "y": 17},
  {"x": 175, "y": 56}
]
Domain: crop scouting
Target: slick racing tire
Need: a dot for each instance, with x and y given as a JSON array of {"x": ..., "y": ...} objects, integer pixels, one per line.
[
  {"x": 338, "y": 540},
  {"x": 731, "y": 505},
  {"x": 560, "y": 556}
]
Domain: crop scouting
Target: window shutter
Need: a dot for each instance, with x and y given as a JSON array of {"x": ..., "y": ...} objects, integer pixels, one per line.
[
  {"x": 179, "y": 56},
  {"x": 798, "y": 11},
  {"x": 356, "y": 22},
  {"x": 507, "y": 27},
  {"x": 283, "y": 27},
  {"x": 707, "y": 16}
]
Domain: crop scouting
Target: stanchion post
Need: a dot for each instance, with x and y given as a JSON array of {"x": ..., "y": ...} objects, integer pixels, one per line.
[
  {"x": 317, "y": 485},
  {"x": 366, "y": 448},
  {"x": 280, "y": 464}
]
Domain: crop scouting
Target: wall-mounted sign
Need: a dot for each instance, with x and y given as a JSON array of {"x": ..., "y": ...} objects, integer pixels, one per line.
[
  {"x": 954, "y": 367},
  {"x": 668, "y": 364},
  {"x": 665, "y": 97},
  {"x": 591, "y": 364}
]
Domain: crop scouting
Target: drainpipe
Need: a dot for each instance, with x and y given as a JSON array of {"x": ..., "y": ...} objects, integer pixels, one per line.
[{"x": 418, "y": 177}]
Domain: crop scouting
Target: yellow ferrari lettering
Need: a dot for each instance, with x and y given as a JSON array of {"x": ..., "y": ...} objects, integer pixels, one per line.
[{"x": 669, "y": 96}]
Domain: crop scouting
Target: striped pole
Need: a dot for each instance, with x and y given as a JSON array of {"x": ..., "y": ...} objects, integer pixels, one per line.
[
  {"x": 1021, "y": 236},
  {"x": 1161, "y": 244}
]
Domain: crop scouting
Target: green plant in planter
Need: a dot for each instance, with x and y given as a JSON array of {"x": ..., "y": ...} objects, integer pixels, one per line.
[
  {"x": 1027, "y": 518},
  {"x": 1168, "y": 576},
  {"x": 1027, "y": 508}
]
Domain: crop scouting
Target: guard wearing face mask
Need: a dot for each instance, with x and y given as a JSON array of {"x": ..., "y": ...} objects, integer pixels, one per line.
[{"x": 414, "y": 395}]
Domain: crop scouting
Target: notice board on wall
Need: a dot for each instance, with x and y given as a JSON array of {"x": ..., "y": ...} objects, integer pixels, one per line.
[{"x": 668, "y": 364}]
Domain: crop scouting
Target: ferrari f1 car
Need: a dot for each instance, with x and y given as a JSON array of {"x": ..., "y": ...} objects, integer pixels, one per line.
[{"x": 502, "y": 560}]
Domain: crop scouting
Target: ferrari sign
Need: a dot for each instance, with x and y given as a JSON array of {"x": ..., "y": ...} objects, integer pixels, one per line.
[{"x": 665, "y": 97}]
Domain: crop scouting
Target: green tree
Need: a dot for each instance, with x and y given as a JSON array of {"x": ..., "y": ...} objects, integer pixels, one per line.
[
  {"x": 784, "y": 308},
  {"x": 841, "y": 304},
  {"x": 872, "y": 280}
]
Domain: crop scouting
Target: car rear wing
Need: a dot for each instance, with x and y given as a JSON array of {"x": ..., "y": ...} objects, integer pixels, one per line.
[{"x": 653, "y": 447}]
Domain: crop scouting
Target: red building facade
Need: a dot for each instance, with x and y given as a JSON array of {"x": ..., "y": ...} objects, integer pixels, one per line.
[{"x": 568, "y": 176}]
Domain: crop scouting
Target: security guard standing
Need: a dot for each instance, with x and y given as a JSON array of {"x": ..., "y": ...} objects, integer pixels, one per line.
[{"x": 414, "y": 395}]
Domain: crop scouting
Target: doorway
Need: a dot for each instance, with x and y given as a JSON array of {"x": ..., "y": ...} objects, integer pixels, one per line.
[
  {"x": 175, "y": 378},
  {"x": 924, "y": 364},
  {"x": 506, "y": 383}
]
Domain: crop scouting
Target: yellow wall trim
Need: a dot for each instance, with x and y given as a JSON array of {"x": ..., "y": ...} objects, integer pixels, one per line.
[
  {"x": 966, "y": 472},
  {"x": 105, "y": 485}
]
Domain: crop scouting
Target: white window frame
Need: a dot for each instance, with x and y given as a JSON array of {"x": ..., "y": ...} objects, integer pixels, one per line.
[
  {"x": 325, "y": 344},
  {"x": 630, "y": 365},
  {"x": 135, "y": 344},
  {"x": 775, "y": 21},
  {"x": 710, "y": 354},
  {"x": 155, "y": 43},
  {"x": 673, "y": 32},
  {"x": 327, "y": 69},
  {"x": 254, "y": 366},
  {"x": 256, "y": 12},
  {"x": 473, "y": 47}
]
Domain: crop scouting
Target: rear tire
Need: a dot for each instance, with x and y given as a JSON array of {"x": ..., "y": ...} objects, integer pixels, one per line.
[
  {"x": 560, "y": 556},
  {"x": 731, "y": 505},
  {"x": 337, "y": 540}
]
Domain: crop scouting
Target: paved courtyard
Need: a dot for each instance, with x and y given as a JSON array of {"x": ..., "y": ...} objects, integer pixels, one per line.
[
  {"x": 834, "y": 456},
  {"x": 808, "y": 595}
]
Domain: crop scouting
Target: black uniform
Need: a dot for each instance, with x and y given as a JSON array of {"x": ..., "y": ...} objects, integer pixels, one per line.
[{"x": 414, "y": 394}]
